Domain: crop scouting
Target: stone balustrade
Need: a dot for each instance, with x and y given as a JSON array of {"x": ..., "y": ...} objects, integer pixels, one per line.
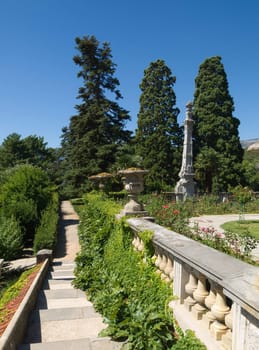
[{"x": 217, "y": 296}]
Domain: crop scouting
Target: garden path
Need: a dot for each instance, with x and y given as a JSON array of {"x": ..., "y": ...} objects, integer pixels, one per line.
[{"x": 64, "y": 318}]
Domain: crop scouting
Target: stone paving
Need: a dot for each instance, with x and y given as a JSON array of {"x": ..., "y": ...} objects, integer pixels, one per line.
[{"x": 63, "y": 317}]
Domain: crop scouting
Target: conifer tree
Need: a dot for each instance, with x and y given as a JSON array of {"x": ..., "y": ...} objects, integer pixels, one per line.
[
  {"x": 158, "y": 136},
  {"x": 94, "y": 134},
  {"x": 216, "y": 136}
]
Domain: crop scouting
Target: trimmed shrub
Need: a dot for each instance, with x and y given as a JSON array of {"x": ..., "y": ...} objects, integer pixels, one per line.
[{"x": 11, "y": 239}]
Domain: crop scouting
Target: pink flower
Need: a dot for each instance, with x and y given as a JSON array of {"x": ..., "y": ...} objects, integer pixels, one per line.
[
  {"x": 165, "y": 206},
  {"x": 176, "y": 212}
]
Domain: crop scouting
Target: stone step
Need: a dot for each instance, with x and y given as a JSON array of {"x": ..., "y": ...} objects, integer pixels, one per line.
[
  {"x": 62, "y": 268},
  {"x": 62, "y": 263},
  {"x": 62, "y": 293},
  {"x": 63, "y": 314},
  {"x": 44, "y": 303},
  {"x": 57, "y": 284},
  {"x": 66, "y": 275},
  {"x": 75, "y": 344},
  {"x": 59, "y": 330}
]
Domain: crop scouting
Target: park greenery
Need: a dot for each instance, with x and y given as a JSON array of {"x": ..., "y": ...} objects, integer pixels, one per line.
[
  {"x": 11, "y": 288},
  {"x": 159, "y": 138},
  {"x": 26, "y": 195},
  {"x": 124, "y": 288},
  {"x": 96, "y": 139},
  {"x": 218, "y": 151},
  {"x": 33, "y": 177}
]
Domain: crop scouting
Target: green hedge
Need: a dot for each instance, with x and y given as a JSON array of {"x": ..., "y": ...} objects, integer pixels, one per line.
[
  {"x": 122, "y": 285},
  {"x": 46, "y": 233}
]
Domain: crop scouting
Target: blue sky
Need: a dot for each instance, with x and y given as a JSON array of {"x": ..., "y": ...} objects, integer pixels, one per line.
[{"x": 38, "y": 78}]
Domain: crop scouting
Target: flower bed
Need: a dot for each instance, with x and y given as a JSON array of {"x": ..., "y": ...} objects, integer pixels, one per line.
[
  {"x": 14, "y": 295},
  {"x": 175, "y": 216}
]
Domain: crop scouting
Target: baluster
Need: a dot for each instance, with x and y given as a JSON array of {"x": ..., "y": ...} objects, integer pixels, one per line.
[
  {"x": 190, "y": 288},
  {"x": 227, "y": 338},
  {"x": 219, "y": 310},
  {"x": 199, "y": 295},
  {"x": 134, "y": 242},
  {"x": 169, "y": 269},
  {"x": 162, "y": 266},
  {"x": 141, "y": 245},
  {"x": 209, "y": 301},
  {"x": 158, "y": 260},
  {"x": 138, "y": 243},
  {"x": 229, "y": 318}
]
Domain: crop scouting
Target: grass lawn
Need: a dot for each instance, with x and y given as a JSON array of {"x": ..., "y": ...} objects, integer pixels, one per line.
[{"x": 245, "y": 227}]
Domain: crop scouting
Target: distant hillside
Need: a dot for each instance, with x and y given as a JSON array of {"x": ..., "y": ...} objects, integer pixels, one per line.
[{"x": 247, "y": 143}]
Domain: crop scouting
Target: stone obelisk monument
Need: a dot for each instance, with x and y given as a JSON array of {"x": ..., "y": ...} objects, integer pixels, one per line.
[{"x": 185, "y": 187}]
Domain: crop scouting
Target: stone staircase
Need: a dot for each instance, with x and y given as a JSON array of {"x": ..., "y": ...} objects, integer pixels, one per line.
[{"x": 64, "y": 318}]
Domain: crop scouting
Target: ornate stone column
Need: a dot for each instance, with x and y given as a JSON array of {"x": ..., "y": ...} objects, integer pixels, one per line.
[{"x": 185, "y": 187}]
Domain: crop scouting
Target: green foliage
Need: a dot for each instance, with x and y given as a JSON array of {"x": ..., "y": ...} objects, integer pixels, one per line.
[
  {"x": 215, "y": 133},
  {"x": 24, "y": 194},
  {"x": 30, "y": 150},
  {"x": 251, "y": 169},
  {"x": 245, "y": 228},
  {"x": 131, "y": 297},
  {"x": 189, "y": 342},
  {"x": 242, "y": 194},
  {"x": 11, "y": 238},
  {"x": 175, "y": 215},
  {"x": 146, "y": 236},
  {"x": 13, "y": 291},
  {"x": 94, "y": 136},
  {"x": 46, "y": 233},
  {"x": 158, "y": 136},
  {"x": 8, "y": 278}
]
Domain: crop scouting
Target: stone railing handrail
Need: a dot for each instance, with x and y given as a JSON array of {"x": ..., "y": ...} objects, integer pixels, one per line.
[{"x": 238, "y": 280}]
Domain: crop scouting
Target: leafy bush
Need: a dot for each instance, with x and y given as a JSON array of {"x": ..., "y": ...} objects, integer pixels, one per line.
[
  {"x": 124, "y": 288},
  {"x": 189, "y": 342},
  {"x": 46, "y": 233},
  {"x": 11, "y": 239},
  {"x": 25, "y": 193}
]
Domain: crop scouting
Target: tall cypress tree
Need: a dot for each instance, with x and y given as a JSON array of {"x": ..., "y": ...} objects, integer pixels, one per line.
[
  {"x": 158, "y": 136},
  {"x": 91, "y": 141},
  {"x": 216, "y": 138}
]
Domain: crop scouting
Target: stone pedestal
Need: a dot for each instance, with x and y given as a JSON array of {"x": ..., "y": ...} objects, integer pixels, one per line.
[
  {"x": 133, "y": 179},
  {"x": 43, "y": 254}
]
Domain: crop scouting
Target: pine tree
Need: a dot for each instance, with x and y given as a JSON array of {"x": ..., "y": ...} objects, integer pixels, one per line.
[
  {"x": 216, "y": 136},
  {"x": 158, "y": 136},
  {"x": 91, "y": 141}
]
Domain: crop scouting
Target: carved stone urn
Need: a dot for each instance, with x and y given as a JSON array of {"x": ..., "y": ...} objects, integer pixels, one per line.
[
  {"x": 133, "y": 179},
  {"x": 100, "y": 179}
]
